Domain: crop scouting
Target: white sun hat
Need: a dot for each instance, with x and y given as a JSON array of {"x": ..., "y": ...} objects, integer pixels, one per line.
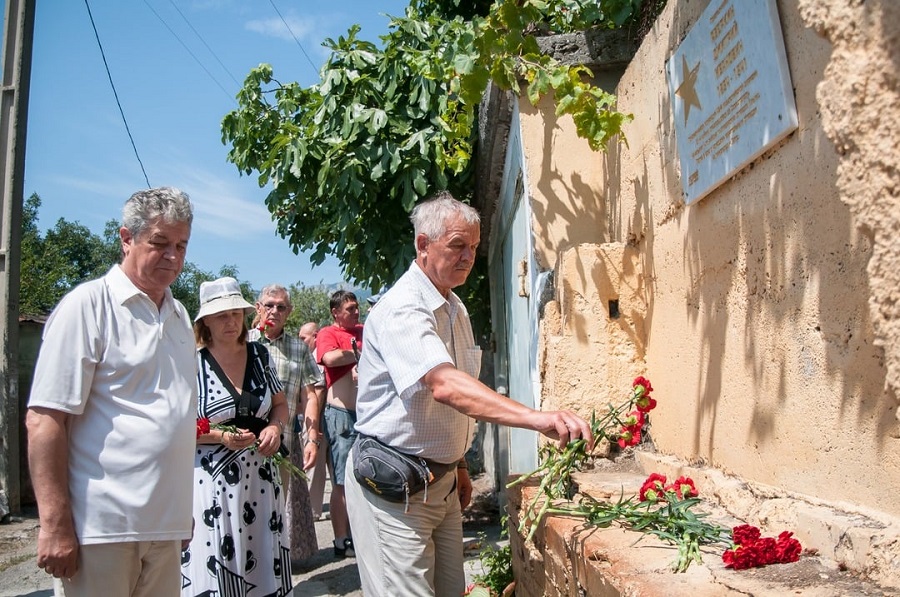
[{"x": 220, "y": 295}]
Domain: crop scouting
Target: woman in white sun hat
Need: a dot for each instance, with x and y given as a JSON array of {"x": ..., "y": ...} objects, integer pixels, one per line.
[{"x": 238, "y": 543}]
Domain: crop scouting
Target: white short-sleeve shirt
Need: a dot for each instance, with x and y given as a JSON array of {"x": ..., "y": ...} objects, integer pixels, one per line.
[
  {"x": 412, "y": 330},
  {"x": 127, "y": 372}
]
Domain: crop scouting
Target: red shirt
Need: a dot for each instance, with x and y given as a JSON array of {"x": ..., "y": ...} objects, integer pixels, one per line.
[{"x": 335, "y": 337}]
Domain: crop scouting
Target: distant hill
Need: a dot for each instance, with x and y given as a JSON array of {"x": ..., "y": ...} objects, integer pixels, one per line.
[{"x": 361, "y": 293}]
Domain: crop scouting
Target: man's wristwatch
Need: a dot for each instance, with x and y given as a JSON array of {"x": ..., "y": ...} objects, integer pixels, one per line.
[{"x": 317, "y": 442}]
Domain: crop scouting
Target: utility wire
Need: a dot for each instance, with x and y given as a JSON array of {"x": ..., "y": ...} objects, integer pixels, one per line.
[
  {"x": 118, "y": 103},
  {"x": 291, "y": 31},
  {"x": 188, "y": 50},
  {"x": 200, "y": 37}
]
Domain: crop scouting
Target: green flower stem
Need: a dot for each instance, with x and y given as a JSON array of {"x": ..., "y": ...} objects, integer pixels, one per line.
[
  {"x": 277, "y": 459},
  {"x": 557, "y": 465},
  {"x": 670, "y": 519}
]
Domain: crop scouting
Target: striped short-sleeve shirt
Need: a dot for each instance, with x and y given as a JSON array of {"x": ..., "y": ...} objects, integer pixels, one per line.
[{"x": 411, "y": 330}]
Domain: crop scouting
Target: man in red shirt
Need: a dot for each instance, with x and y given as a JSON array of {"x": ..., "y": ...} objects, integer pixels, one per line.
[{"x": 337, "y": 349}]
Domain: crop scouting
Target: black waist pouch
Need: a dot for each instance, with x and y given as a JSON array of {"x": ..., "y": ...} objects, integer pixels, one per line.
[{"x": 389, "y": 473}]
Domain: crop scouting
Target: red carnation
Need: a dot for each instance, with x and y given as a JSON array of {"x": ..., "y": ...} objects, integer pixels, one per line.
[
  {"x": 745, "y": 534},
  {"x": 634, "y": 421},
  {"x": 752, "y": 550},
  {"x": 766, "y": 551},
  {"x": 653, "y": 488},
  {"x": 739, "y": 558},
  {"x": 683, "y": 487},
  {"x": 202, "y": 426},
  {"x": 642, "y": 382},
  {"x": 787, "y": 549},
  {"x": 629, "y": 437},
  {"x": 645, "y": 403},
  {"x": 264, "y": 325}
]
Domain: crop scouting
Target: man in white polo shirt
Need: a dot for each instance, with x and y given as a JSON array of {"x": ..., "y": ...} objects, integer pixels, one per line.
[{"x": 112, "y": 416}]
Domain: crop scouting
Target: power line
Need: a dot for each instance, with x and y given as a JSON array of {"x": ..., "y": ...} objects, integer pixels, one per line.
[
  {"x": 188, "y": 50},
  {"x": 200, "y": 37},
  {"x": 291, "y": 31},
  {"x": 116, "y": 95}
]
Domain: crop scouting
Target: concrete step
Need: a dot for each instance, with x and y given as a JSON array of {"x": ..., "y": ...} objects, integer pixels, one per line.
[{"x": 568, "y": 557}]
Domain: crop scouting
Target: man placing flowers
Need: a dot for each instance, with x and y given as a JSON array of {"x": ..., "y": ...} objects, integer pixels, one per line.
[{"x": 419, "y": 394}]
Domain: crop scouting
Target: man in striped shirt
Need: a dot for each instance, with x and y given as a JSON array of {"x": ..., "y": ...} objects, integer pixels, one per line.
[{"x": 419, "y": 393}]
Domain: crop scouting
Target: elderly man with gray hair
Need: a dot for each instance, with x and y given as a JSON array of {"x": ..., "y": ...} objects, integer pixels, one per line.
[
  {"x": 112, "y": 416},
  {"x": 299, "y": 373},
  {"x": 418, "y": 399}
]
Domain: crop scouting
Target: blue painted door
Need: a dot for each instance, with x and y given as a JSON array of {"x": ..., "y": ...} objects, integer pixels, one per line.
[{"x": 520, "y": 329}]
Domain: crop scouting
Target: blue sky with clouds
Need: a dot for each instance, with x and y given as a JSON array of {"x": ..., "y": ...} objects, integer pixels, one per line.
[{"x": 176, "y": 66}]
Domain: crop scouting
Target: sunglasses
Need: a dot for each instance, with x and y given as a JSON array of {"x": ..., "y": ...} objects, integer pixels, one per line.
[{"x": 274, "y": 306}]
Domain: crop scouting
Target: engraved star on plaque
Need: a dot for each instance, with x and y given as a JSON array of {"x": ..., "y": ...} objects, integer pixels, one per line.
[{"x": 687, "y": 91}]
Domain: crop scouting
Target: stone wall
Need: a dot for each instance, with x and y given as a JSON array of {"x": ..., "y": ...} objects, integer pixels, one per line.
[
  {"x": 763, "y": 313},
  {"x": 766, "y": 315},
  {"x": 859, "y": 99}
]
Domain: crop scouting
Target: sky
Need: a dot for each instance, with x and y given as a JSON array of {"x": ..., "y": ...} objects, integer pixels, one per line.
[{"x": 176, "y": 66}]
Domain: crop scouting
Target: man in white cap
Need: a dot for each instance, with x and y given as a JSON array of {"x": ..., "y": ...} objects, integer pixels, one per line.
[{"x": 111, "y": 419}]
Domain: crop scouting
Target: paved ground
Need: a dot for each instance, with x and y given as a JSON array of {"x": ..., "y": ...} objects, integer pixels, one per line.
[{"x": 321, "y": 575}]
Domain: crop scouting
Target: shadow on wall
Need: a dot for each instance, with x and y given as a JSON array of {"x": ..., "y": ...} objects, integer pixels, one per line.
[
  {"x": 772, "y": 249},
  {"x": 573, "y": 211}
]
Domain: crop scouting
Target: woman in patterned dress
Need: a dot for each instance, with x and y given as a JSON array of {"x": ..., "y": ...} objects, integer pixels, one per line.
[{"x": 238, "y": 548}]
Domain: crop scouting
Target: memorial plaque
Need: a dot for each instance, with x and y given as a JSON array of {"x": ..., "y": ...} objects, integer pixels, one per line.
[{"x": 730, "y": 91}]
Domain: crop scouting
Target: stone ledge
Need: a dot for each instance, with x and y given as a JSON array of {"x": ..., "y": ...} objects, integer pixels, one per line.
[
  {"x": 867, "y": 543},
  {"x": 567, "y": 558}
]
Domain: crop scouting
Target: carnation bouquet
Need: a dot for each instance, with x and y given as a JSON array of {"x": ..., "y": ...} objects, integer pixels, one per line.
[
  {"x": 279, "y": 458},
  {"x": 662, "y": 509}
]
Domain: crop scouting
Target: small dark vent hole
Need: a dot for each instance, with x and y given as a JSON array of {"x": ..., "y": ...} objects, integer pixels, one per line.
[{"x": 614, "y": 309}]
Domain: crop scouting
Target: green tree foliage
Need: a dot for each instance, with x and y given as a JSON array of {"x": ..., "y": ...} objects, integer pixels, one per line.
[
  {"x": 54, "y": 264},
  {"x": 69, "y": 254},
  {"x": 348, "y": 158},
  {"x": 345, "y": 175},
  {"x": 448, "y": 9},
  {"x": 33, "y": 287},
  {"x": 311, "y": 303}
]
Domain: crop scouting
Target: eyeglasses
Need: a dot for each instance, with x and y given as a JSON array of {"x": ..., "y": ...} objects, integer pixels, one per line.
[{"x": 274, "y": 306}]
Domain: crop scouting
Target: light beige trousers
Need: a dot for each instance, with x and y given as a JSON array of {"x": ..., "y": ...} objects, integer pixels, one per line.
[
  {"x": 415, "y": 553},
  {"x": 127, "y": 569}
]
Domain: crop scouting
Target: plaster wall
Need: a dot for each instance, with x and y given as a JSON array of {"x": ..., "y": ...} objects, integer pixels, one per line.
[
  {"x": 564, "y": 183},
  {"x": 586, "y": 357},
  {"x": 765, "y": 315}
]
